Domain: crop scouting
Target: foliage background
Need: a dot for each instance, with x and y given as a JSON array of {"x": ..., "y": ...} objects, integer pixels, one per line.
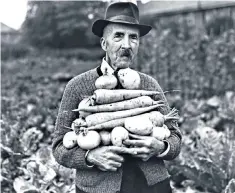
[{"x": 57, "y": 44}]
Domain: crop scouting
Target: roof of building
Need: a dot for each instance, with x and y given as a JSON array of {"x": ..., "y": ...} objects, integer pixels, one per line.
[{"x": 6, "y": 29}]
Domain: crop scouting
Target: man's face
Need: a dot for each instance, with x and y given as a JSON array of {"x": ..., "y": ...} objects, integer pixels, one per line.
[{"x": 121, "y": 43}]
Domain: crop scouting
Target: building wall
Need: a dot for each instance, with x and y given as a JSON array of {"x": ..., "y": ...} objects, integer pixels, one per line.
[
  {"x": 158, "y": 7},
  {"x": 10, "y": 37},
  {"x": 9, "y": 34},
  {"x": 198, "y": 15}
]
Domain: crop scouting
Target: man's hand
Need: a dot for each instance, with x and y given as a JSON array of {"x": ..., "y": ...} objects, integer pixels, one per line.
[
  {"x": 107, "y": 158},
  {"x": 145, "y": 146}
]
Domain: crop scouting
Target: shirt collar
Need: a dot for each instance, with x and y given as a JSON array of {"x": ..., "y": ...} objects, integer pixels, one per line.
[{"x": 106, "y": 68}]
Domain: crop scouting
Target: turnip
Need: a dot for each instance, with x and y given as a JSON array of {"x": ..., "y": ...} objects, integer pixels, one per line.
[
  {"x": 70, "y": 140},
  {"x": 118, "y": 135},
  {"x": 167, "y": 131},
  {"x": 106, "y": 81},
  {"x": 139, "y": 124},
  {"x": 159, "y": 119},
  {"x": 129, "y": 79},
  {"x": 161, "y": 132},
  {"x": 105, "y": 137},
  {"x": 88, "y": 140}
]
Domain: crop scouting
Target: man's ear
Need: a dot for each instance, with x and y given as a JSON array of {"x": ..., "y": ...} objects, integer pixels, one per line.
[{"x": 103, "y": 44}]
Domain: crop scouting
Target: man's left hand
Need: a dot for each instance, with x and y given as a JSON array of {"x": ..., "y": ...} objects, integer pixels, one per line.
[{"x": 146, "y": 146}]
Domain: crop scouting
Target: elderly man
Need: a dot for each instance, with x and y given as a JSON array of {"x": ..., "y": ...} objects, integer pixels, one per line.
[{"x": 110, "y": 169}]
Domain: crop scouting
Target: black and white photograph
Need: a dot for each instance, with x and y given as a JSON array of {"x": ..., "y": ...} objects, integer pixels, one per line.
[{"x": 117, "y": 96}]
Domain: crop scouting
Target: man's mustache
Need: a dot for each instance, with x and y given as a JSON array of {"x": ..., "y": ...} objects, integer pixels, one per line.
[{"x": 125, "y": 52}]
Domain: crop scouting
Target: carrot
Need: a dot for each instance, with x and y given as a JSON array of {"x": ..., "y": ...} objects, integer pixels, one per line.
[
  {"x": 142, "y": 101},
  {"x": 98, "y": 118},
  {"x": 104, "y": 96},
  {"x": 106, "y": 125}
]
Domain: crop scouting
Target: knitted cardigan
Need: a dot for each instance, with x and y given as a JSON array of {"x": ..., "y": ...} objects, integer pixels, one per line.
[{"x": 93, "y": 180}]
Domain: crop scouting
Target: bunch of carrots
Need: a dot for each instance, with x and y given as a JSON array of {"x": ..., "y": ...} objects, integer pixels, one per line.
[{"x": 111, "y": 115}]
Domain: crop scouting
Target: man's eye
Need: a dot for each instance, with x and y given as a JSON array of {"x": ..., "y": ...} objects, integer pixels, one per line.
[
  {"x": 134, "y": 37},
  {"x": 118, "y": 35}
]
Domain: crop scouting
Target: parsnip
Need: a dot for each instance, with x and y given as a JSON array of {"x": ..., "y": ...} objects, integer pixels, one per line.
[
  {"x": 142, "y": 101},
  {"x": 104, "y": 96},
  {"x": 98, "y": 118}
]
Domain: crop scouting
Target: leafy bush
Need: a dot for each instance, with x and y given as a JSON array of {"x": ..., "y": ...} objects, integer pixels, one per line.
[
  {"x": 208, "y": 161},
  {"x": 11, "y": 50},
  {"x": 199, "y": 66},
  {"x": 64, "y": 24},
  {"x": 207, "y": 157},
  {"x": 218, "y": 25},
  {"x": 42, "y": 174},
  {"x": 79, "y": 53}
]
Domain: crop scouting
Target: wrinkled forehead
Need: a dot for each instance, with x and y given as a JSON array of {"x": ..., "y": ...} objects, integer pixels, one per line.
[{"x": 123, "y": 28}]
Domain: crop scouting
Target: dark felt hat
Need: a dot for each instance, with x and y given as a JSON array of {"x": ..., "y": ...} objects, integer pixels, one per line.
[{"x": 120, "y": 12}]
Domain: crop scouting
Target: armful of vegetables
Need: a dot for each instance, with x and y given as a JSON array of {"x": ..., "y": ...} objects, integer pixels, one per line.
[
  {"x": 110, "y": 115},
  {"x": 72, "y": 156}
]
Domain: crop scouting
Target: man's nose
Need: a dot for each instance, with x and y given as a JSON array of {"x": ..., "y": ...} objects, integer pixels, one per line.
[{"x": 126, "y": 43}]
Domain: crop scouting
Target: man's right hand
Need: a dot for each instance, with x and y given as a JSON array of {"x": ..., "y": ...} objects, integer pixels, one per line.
[{"x": 108, "y": 158}]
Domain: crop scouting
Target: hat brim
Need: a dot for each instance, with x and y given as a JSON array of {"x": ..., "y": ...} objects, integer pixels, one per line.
[{"x": 99, "y": 25}]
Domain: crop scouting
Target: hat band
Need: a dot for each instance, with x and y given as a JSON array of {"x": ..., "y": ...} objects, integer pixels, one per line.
[{"x": 124, "y": 18}]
